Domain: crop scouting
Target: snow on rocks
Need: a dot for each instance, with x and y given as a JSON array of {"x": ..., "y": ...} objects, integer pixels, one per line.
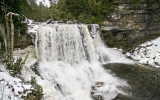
[
  {"x": 12, "y": 88},
  {"x": 32, "y": 26},
  {"x": 147, "y": 53},
  {"x": 101, "y": 91}
]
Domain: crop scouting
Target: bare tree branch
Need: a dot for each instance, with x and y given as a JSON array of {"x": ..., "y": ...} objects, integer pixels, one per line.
[{"x": 11, "y": 13}]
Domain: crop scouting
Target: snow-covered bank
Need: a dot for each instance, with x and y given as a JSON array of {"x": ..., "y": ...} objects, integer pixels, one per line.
[
  {"x": 147, "y": 53},
  {"x": 12, "y": 88}
]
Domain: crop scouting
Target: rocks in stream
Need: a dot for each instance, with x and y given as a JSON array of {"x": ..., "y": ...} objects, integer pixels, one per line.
[
  {"x": 103, "y": 91},
  {"x": 35, "y": 69},
  {"x": 94, "y": 91}
]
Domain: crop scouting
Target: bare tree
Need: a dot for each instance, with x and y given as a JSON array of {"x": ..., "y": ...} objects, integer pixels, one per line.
[
  {"x": 4, "y": 9},
  {"x": 10, "y": 36},
  {"x": 12, "y": 39},
  {"x": 9, "y": 33}
]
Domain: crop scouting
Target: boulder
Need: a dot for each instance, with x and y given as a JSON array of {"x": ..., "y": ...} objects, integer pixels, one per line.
[{"x": 94, "y": 91}]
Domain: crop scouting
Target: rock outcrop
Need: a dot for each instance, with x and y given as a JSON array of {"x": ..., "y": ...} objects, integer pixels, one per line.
[
  {"x": 23, "y": 41},
  {"x": 132, "y": 23}
]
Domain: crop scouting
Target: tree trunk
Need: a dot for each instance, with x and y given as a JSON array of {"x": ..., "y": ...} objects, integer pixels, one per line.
[
  {"x": 8, "y": 39},
  {"x": 4, "y": 37},
  {"x": 12, "y": 39}
]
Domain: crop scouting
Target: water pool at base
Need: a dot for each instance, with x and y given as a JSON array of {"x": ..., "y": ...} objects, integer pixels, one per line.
[{"x": 144, "y": 81}]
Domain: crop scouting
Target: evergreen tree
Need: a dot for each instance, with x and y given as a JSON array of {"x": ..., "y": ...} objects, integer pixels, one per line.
[{"x": 85, "y": 11}]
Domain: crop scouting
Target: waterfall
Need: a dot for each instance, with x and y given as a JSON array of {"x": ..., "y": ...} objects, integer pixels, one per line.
[
  {"x": 73, "y": 44},
  {"x": 70, "y": 60},
  {"x": 68, "y": 43}
]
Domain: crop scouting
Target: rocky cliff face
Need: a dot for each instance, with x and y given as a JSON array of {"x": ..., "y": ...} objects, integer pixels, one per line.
[{"x": 132, "y": 23}]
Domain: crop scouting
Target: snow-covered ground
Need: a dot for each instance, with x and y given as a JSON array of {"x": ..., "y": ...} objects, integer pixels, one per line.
[
  {"x": 12, "y": 88},
  {"x": 29, "y": 55},
  {"x": 147, "y": 53}
]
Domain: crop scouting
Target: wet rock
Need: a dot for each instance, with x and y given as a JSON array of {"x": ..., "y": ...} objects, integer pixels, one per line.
[
  {"x": 103, "y": 91},
  {"x": 94, "y": 91},
  {"x": 35, "y": 69},
  {"x": 23, "y": 41}
]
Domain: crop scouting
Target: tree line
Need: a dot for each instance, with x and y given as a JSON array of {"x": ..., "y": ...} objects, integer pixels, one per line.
[{"x": 84, "y": 11}]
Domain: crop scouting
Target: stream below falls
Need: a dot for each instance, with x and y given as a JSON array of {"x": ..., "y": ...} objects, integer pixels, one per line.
[{"x": 144, "y": 81}]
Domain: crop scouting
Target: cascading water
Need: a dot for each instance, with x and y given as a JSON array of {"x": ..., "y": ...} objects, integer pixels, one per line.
[{"x": 70, "y": 58}]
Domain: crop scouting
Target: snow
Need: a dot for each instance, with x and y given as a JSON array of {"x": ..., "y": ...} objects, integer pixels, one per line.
[
  {"x": 147, "y": 53},
  {"x": 32, "y": 30},
  {"x": 11, "y": 13},
  {"x": 27, "y": 72},
  {"x": 15, "y": 58},
  {"x": 11, "y": 88},
  {"x": 31, "y": 27}
]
